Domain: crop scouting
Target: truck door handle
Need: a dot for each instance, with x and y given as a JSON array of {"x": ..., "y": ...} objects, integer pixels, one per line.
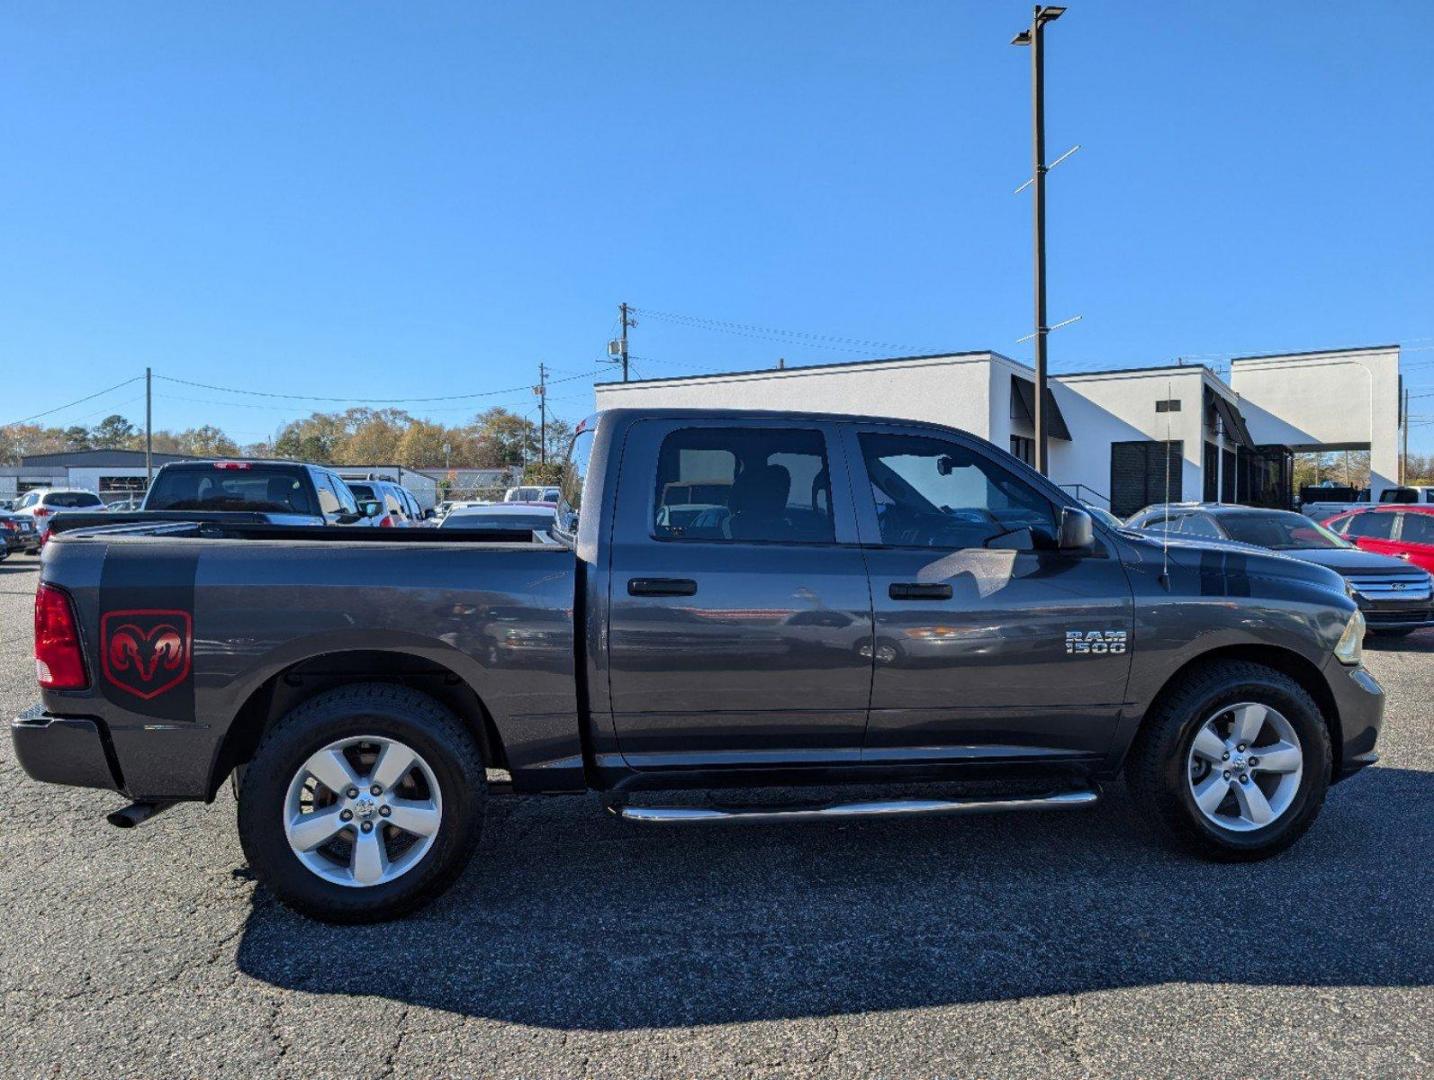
[
  {"x": 661, "y": 586},
  {"x": 919, "y": 590}
]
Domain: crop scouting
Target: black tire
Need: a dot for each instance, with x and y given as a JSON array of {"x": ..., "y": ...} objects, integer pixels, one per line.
[
  {"x": 1156, "y": 769},
  {"x": 380, "y": 709}
]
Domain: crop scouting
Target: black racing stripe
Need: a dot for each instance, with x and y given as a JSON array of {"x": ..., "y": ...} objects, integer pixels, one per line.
[{"x": 146, "y": 603}]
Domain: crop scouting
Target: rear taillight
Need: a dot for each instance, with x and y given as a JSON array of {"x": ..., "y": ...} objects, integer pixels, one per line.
[
  {"x": 386, "y": 522},
  {"x": 59, "y": 663},
  {"x": 42, "y": 511},
  {"x": 10, "y": 526}
]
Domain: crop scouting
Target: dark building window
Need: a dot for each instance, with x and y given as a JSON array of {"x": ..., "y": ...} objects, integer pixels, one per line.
[
  {"x": 1145, "y": 472},
  {"x": 1168, "y": 405},
  {"x": 1024, "y": 448}
]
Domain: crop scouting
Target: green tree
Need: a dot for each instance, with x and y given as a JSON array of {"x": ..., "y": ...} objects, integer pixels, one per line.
[{"x": 111, "y": 433}]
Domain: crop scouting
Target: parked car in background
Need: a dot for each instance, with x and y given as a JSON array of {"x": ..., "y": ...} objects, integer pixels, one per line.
[
  {"x": 283, "y": 492},
  {"x": 533, "y": 493},
  {"x": 41, "y": 504},
  {"x": 125, "y": 506},
  {"x": 18, "y": 535},
  {"x": 399, "y": 508},
  {"x": 1396, "y": 598},
  {"x": 1402, "y": 531},
  {"x": 522, "y": 519},
  {"x": 1105, "y": 517},
  {"x": 1416, "y": 493}
]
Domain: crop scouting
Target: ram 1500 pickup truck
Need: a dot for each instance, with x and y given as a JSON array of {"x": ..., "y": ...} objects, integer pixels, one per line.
[{"x": 726, "y": 599}]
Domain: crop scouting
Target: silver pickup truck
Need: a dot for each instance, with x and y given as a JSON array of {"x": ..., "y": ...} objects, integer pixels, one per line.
[{"x": 727, "y": 599}]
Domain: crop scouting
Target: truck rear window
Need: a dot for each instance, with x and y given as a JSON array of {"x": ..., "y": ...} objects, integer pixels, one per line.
[{"x": 265, "y": 490}]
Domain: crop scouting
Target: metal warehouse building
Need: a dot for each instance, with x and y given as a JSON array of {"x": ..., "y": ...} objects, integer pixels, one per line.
[{"x": 1120, "y": 439}]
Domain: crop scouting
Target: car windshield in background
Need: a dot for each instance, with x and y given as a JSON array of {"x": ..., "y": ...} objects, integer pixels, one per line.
[
  {"x": 512, "y": 522},
  {"x": 362, "y": 492},
  {"x": 70, "y": 500},
  {"x": 207, "y": 487},
  {"x": 1280, "y": 531}
]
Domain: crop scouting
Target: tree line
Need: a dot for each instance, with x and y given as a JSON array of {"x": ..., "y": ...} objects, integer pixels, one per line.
[{"x": 494, "y": 438}]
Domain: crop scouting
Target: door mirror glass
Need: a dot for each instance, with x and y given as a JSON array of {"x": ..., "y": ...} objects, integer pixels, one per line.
[
  {"x": 371, "y": 508},
  {"x": 1077, "y": 533}
]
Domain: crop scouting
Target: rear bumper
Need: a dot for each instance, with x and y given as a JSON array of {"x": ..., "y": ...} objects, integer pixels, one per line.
[
  {"x": 62, "y": 750},
  {"x": 1360, "y": 701}
]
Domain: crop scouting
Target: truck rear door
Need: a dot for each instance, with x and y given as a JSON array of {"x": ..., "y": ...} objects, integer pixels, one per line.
[
  {"x": 740, "y": 616},
  {"x": 990, "y": 644}
]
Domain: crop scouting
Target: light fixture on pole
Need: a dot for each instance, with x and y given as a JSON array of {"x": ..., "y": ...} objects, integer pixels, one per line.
[{"x": 1034, "y": 37}]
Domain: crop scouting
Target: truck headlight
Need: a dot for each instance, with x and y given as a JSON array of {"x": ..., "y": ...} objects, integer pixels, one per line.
[{"x": 1350, "y": 649}]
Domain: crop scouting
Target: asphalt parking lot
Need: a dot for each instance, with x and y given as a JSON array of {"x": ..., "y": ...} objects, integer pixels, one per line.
[{"x": 578, "y": 945}]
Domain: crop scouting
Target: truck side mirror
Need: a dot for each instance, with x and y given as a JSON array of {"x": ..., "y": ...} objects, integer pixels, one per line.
[
  {"x": 371, "y": 508},
  {"x": 1077, "y": 532}
]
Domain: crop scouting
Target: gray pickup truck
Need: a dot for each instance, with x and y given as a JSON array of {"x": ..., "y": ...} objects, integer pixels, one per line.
[{"x": 727, "y": 599}]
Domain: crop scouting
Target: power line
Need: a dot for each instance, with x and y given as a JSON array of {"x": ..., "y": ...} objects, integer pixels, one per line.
[
  {"x": 77, "y": 401},
  {"x": 368, "y": 400}
]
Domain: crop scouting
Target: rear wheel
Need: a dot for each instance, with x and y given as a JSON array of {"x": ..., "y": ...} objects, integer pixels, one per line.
[
  {"x": 1234, "y": 763},
  {"x": 363, "y": 803}
]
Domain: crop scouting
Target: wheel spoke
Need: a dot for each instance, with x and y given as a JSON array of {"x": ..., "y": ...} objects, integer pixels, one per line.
[
  {"x": 418, "y": 816},
  {"x": 1209, "y": 746},
  {"x": 370, "y": 858},
  {"x": 308, "y": 831},
  {"x": 1249, "y": 719},
  {"x": 1210, "y": 792},
  {"x": 1254, "y": 806},
  {"x": 395, "y": 760},
  {"x": 332, "y": 770},
  {"x": 1282, "y": 757}
]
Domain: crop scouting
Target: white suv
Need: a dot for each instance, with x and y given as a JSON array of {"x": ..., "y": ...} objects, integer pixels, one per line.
[{"x": 42, "y": 503}]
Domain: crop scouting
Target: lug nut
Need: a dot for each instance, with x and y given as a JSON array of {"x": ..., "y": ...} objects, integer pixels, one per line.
[
  {"x": 352, "y": 793},
  {"x": 375, "y": 790},
  {"x": 1227, "y": 774},
  {"x": 1244, "y": 778},
  {"x": 1254, "y": 761},
  {"x": 384, "y": 811},
  {"x": 346, "y": 815},
  {"x": 1241, "y": 748},
  {"x": 1225, "y": 756},
  {"x": 367, "y": 826}
]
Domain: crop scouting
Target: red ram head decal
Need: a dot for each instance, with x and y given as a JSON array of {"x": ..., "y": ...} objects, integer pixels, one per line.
[{"x": 145, "y": 653}]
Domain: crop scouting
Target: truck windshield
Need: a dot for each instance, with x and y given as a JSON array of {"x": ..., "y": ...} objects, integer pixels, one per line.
[
  {"x": 1280, "y": 531},
  {"x": 277, "y": 490}
]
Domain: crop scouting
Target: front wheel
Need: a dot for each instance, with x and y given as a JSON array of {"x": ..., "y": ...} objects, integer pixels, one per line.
[
  {"x": 362, "y": 803},
  {"x": 1233, "y": 763}
]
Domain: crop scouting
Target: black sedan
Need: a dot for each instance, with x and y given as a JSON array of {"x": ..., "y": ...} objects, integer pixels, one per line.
[
  {"x": 1396, "y": 598},
  {"x": 17, "y": 534}
]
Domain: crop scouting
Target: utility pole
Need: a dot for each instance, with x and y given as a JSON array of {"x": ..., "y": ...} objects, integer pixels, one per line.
[
  {"x": 627, "y": 320},
  {"x": 1034, "y": 38},
  {"x": 1404, "y": 458},
  {"x": 542, "y": 391},
  {"x": 148, "y": 430}
]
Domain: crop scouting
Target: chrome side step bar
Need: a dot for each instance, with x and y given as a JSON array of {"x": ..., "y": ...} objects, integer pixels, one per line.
[{"x": 691, "y": 815}]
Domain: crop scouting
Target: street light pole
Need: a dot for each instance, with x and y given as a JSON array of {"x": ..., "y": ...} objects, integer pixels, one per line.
[{"x": 1035, "y": 38}]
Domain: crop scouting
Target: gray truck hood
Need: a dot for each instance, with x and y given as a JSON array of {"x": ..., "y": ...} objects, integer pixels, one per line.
[{"x": 1192, "y": 552}]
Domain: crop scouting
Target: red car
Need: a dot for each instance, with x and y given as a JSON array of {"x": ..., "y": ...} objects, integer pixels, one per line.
[{"x": 1404, "y": 531}]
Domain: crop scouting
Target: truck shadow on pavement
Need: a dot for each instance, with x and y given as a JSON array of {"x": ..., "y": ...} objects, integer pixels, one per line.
[{"x": 569, "y": 919}]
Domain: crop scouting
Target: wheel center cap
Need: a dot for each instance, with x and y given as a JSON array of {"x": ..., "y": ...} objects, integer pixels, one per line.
[
  {"x": 1238, "y": 761},
  {"x": 365, "y": 808}
]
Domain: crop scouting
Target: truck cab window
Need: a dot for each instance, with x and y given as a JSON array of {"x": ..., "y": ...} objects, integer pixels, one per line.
[
  {"x": 760, "y": 485},
  {"x": 933, "y": 493}
]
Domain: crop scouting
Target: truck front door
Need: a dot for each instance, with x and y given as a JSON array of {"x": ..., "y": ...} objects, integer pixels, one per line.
[
  {"x": 740, "y": 617},
  {"x": 990, "y": 643}
]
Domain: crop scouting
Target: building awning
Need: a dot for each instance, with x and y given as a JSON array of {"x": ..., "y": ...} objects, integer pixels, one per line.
[
  {"x": 1235, "y": 429},
  {"x": 1023, "y": 407}
]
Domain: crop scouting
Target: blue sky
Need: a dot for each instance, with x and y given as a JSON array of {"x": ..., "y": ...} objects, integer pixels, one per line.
[{"x": 399, "y": 201}]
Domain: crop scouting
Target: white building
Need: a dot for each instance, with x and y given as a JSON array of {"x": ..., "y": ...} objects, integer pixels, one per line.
[{"x": 1119, "y": 439}]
